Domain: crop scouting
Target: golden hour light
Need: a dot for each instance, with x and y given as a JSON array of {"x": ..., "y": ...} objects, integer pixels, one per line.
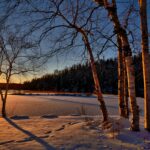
[{"x": 74, "y": 75}]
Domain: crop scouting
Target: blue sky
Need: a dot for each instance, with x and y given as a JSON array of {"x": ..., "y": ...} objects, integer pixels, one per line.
[{"x": 75, "y": 55}]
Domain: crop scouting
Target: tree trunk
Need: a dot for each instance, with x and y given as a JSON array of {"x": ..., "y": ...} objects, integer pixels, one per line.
[
  {"x": 97, "y": 86},
  {"x": 95, "y": 76},
  {"x": 121, "y": 96},
  {"x": 4, "y": 108},
  {"x": 4, "y": 97},
  {"x": 131, "y": 80},
  {"x": 131, "y": 88},
  {"x": 126, "y": 90},
  {"x": 145, "y": 62}
]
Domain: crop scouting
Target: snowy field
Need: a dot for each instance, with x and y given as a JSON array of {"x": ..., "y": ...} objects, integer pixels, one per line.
[
  {"x": 76, "y": 124},
  {"x": 61, "y": 105}
]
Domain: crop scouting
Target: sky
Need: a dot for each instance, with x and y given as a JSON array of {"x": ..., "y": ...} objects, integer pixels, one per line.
[{"x": 75, "y": 55}]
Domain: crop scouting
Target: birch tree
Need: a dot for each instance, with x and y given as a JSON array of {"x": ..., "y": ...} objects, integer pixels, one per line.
[
  {"x": 84, "y": 33},
  {"x": 145, "y": 62},
  {"x": 112, "y": 13}
]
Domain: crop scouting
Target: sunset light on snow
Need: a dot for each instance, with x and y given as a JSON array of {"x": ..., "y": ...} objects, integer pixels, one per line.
[{"x": 74, "y": 75}]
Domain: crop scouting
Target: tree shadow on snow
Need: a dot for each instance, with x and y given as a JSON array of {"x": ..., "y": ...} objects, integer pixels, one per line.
[{"x": 31, "y": 135}]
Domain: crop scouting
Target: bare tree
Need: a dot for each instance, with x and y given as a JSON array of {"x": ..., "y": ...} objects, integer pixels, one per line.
[
  {"x": 145, "y": 62},
  {"x": 81, "y": 29},
  {"x": 14, "y": 60}
]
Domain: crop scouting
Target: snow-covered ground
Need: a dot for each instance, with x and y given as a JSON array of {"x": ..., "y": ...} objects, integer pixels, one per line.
[
  {"x": 60, "y": 105},
  {"x": 81, "y": 130}
]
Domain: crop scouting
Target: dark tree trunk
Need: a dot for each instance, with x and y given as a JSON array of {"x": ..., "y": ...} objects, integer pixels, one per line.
[{"x": 4, "y": 108}]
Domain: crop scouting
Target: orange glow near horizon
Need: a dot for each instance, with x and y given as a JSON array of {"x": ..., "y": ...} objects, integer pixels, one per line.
[{"x": 16, "y": 79}]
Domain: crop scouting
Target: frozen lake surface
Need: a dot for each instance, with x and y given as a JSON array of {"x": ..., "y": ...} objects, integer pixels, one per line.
[{"x": 37, "y": 105}]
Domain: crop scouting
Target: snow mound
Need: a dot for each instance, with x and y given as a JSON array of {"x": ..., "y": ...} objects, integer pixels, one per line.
[{"x": 114, "y": 126}]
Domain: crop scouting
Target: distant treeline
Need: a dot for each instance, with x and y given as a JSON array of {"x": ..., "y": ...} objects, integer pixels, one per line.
[
  {"x": 12, "y": 86},
  {"x": 78, "y": 78}
]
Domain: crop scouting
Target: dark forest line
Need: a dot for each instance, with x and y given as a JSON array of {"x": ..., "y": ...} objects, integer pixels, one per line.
[{"x": 78, "y": 78}]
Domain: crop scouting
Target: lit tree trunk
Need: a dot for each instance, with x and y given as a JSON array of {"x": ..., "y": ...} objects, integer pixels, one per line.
[
  {"x": 112, "y": 13},
  {"x": 131, "y": 81},
  {"x": 95, "y": 76},
  {"x": 121, "y": 101},
  {"x": 145, "y": 62},
  {"x": 131, "y": 89}
]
